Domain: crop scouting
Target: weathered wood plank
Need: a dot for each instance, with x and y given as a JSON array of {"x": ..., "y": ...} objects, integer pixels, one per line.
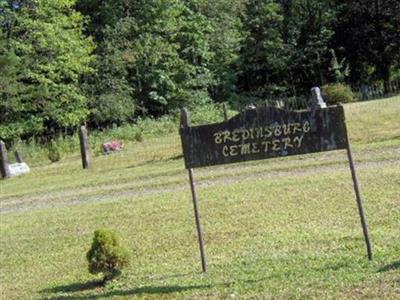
[{"x": 262, "y": 133}]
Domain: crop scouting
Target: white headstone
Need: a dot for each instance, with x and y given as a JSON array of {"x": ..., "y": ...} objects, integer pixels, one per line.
[
  {"x": 317, "y": 100},
  {"x": 18, "y": 169}
]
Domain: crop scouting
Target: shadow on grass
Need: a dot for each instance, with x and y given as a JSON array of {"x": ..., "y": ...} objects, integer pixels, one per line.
[
  {"x": 95, "y": 290},
  {"x": 77, "y": 287},
  {"x": 155, "y": 160},
  {"x": 176, "y": 157},
  {"x": 390, "y": 267},
  {"x": 74, "y": 287},
  {"x": 140, "y": 164}
]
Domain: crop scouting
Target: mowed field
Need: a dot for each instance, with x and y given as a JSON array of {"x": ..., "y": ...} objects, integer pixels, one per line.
[{"x": 284, "y": 228}]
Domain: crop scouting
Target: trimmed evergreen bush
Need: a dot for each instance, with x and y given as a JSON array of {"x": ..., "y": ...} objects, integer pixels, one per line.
[
  {"x": 106, "y": 255},
  {"x": 335, "y": 93}
]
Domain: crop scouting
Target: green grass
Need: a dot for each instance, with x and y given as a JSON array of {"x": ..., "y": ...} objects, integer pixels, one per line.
[
  {"x": 374, "y": 121},
  {"x": 284, "y": 228}
]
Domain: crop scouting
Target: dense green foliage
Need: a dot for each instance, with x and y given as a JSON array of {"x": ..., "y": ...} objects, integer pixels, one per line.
[
  {"x": 263, "y": 58},
  {"x": 335, "y": 93},
  {"x": 110, "y": 62},
  {"x": 43, "y": 41},
  {"x": 106, "y": 254},
  {"x": 368, "y": 35}
]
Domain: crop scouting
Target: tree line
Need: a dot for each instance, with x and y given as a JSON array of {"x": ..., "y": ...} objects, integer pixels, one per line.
[{"x": 106, "y": 62}]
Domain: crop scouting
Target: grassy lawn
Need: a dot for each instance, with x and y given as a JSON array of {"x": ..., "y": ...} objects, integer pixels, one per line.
[{"x": 284, "y": 228}]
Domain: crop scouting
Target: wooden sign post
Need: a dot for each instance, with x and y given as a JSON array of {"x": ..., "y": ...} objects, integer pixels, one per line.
[
  {"x": 358, "y": 199},
  {"x": 185, "y": 123},
  {"x": 267, "y": 132},
  {"x": 85, "y": 148},
  {"x": 318, "y": 103},
  {"x": 4, "y": 170}
]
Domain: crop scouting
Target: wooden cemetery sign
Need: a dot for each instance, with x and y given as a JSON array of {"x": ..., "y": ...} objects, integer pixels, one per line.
[
  {"x": 266, "y": 132},
  {"x": 262, "y": 133}
]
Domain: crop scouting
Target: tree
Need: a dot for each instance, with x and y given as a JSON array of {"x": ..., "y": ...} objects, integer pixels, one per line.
[
  {"x": 106, "y": 255},
  {"x": 368, "y": 34},
  {"x": 307, "y": 31},
  {"x": 262, "y": 60},
  {"x": 13, "y": 108},
  {"x": 339, "y": 70},
  {"x": 102, "y": 14},
  {"x": 46, "y": 36},
  {"x": 224, "y": 40},
  {"x": 154, "y": 58}
]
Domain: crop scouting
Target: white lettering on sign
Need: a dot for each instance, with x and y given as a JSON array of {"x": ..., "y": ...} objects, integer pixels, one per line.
[{"x": 273, "y": 138}]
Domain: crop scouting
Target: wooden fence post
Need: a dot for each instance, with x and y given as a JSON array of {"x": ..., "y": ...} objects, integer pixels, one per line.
[
  {"x": 5, "y": 171},
  {"x": 85, "y": 148},
  {"x": 18, "y": 156},
  {"x": 225, "y": 112}
]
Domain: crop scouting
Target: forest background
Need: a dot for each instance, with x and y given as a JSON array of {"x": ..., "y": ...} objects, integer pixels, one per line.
[{"x": 106, "y": 63}]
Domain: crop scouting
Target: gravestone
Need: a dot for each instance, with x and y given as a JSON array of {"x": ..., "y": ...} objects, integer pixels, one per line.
[
  {"x": 18, "y": 169},
  {"x": 317, "y": 102},
  {"x": 112, "y": 146}
]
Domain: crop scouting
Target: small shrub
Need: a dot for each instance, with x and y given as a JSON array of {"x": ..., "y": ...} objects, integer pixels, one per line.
[
  {"x": 106, "y": 255},
  {"x": 337, "y": 93},
  {"x": 54, "y": 152},
  {"x": 206, "y": 114}
]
